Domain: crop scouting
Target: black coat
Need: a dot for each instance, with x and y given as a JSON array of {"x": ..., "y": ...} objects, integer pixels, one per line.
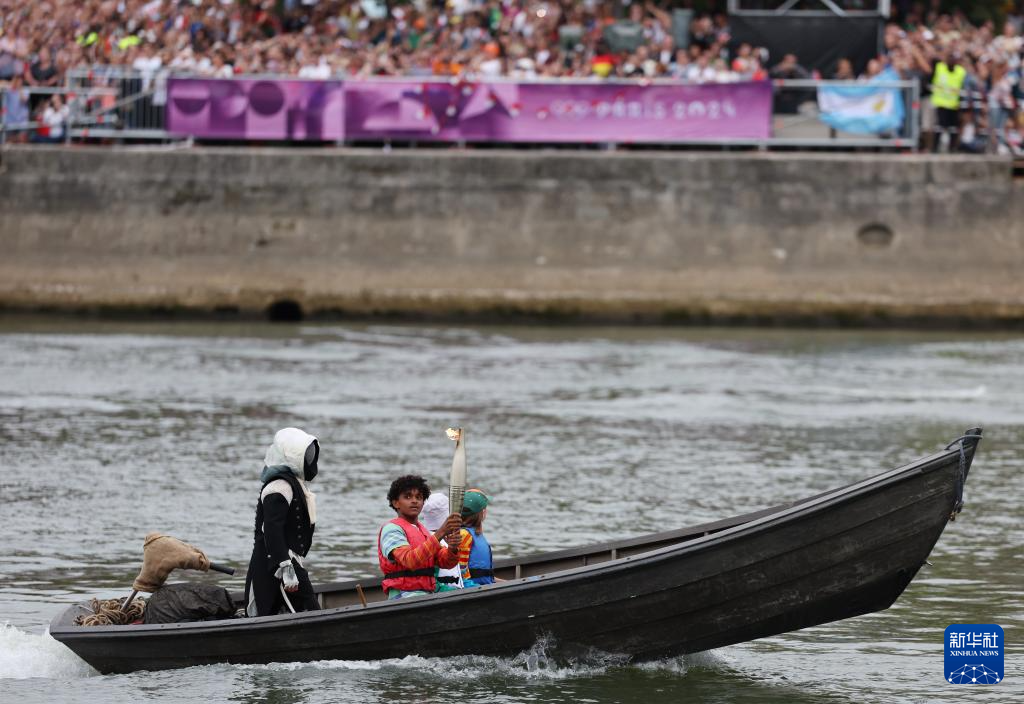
[{"x": 280, "y": 526}]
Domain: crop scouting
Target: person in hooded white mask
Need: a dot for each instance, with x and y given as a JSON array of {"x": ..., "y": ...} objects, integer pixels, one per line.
[
  {"x": 285, "y": 519},
  {"x": 432, "y": 516}
]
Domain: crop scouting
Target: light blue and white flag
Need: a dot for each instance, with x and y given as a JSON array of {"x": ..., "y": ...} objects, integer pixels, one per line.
[{"x": 863, "y": 109}]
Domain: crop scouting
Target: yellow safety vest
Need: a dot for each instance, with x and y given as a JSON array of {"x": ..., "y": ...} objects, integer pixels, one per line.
[{"x": 946, "y": 86}]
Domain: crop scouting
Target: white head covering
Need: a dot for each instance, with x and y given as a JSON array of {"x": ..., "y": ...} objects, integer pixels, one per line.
[
  {"x": 289, "y": 450},
  {"x": 434, "y": 511}
]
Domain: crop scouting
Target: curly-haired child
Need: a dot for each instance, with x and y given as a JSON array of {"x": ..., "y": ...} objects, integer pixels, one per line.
[{"x": 408, "y": 553}]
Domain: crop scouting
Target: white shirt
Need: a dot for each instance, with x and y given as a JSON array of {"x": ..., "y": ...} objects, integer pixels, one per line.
[
  {"x": 319, "y": 70},
  {"x": 282, "y": 487},
  {"x": 55, "y": 120}
]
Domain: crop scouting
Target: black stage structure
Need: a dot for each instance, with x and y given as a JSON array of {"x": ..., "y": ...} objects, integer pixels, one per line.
[{"x": 819, "y": 32}]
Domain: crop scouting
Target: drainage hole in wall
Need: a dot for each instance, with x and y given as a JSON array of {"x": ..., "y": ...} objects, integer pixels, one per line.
[
  {"x": 284, "y": 311},
  {"x": 875, "y": 235}
]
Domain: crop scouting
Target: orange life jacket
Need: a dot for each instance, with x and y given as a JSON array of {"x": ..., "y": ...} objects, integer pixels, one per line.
[{"x": 396, "y": 576}]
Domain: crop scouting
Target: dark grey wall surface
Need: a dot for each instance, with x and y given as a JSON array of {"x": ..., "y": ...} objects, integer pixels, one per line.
[{"x": 660, "y": 235}]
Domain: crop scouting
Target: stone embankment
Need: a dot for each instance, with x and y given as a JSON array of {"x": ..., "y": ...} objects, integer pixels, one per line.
[{"x": 651, "y": 236}]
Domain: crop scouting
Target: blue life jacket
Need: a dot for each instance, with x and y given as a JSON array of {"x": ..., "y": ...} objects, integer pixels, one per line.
[{"x": 481, "y": 566}]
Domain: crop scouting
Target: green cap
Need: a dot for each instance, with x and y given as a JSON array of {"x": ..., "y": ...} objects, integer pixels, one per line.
[{"x": 474, "y": 502}]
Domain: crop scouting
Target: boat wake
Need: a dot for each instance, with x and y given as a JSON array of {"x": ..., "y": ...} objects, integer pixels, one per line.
[
  {"x": 543, "y": 661},
  {"x": 23, "y": 655}
]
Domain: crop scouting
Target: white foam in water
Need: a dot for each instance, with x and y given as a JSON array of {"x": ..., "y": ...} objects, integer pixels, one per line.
[
  {"x": 535, "y": 663},
  {"x": 23, "y": 655},
  {"x": 708, "y": 660},
  {"x": 878, "y": 393}
]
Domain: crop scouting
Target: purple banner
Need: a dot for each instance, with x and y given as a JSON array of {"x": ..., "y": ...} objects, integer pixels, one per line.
[
  {"x": 247, "y": 108},
  {"x": 467, "y": 111},
  {"x": 556, "y": 112}
]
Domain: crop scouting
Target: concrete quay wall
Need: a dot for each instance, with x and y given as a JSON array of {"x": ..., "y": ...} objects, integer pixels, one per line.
[{"x": 661, "y": 236}]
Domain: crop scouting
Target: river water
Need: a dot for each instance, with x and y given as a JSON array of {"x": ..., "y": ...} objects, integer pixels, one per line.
[{"x": 110, "y": 430}]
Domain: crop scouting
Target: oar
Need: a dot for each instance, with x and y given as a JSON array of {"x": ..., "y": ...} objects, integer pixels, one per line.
[{"x": 457, "y": 481}]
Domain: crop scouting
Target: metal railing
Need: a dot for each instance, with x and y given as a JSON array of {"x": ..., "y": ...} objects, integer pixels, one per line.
[
  {"x": 840, "y": 8},
  {"x": 32, "y": 102},
  {"x": 797, "y": 116},
  {"x": 132, "y": 106},
  {"x": 118, "y": 103}
]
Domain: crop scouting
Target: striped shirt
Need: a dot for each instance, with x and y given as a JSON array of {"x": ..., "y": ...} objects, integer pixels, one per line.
[
  {"x": 465, "y": 547},
  {"x": 390, "y": 538}
]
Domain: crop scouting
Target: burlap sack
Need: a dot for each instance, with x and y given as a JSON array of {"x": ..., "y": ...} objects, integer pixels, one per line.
[{"x": 162, "y": 554}]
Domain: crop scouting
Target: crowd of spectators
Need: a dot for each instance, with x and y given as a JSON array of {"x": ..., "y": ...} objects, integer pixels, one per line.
[
  {"x": 41, "y": 40},
  {"x": 322, "y": 38},
  {"x": 992, "y": 95}
]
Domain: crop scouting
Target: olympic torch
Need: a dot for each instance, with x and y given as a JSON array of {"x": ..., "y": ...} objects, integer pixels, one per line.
[{"x": 457, "y": 482}]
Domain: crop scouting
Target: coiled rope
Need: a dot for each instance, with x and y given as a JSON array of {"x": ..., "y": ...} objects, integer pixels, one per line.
[{"x": 108, "y": 613}]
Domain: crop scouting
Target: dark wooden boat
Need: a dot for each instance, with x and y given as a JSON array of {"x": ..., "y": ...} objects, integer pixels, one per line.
[{"x": 839, "y": 554}]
